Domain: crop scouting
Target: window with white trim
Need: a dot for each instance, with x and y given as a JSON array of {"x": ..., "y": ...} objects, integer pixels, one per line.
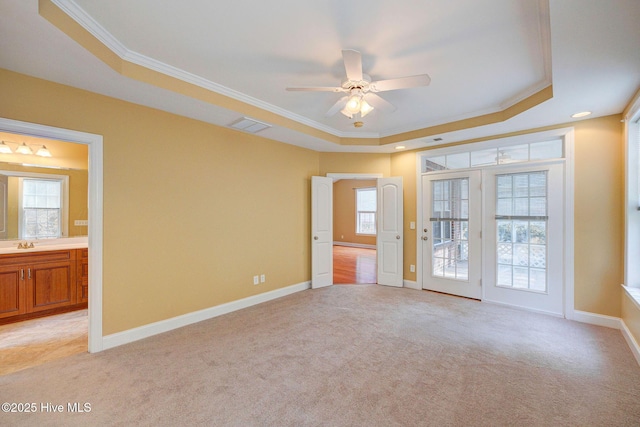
[
  {"x": 40, "y": 212},
  {"x": 366, "y": 206}
]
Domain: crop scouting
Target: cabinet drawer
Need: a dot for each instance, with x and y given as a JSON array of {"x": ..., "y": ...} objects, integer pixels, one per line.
[{"x": 37, "y": 257}]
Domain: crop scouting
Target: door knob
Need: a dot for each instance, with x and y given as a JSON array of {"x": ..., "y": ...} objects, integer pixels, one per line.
[
  {"x": 398, "y": 237},
  {"x": 425, "y": 230},
  {"x": 425, "y": 238},
  {"x": 315, "y": 237}
]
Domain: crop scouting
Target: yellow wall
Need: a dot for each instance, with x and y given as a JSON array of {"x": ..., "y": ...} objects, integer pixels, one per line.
[
  {"x": 191, "y": 211},
  {"x": 344, "y": 211},
  {"x": 599, "y": 215}
]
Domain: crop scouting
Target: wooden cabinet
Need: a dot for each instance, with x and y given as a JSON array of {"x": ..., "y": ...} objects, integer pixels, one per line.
[
  {"x": 38, "y": 283},
  {"x": 82, "y": 274},
  {"x": 12, "y": 292}
]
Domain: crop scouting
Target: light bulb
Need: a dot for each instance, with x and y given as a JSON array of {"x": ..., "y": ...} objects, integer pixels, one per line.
[{"x": 353, "y": 104}]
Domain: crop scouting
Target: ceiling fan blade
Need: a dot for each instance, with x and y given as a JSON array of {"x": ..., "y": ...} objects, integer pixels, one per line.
[
  {"x": 376, "y": 101},
  {"x": 400, "y": 83},
  {"x": 337, "y": 106},
  {"x": 316, "y": 89},
  {"x": 352, "y": 64}
]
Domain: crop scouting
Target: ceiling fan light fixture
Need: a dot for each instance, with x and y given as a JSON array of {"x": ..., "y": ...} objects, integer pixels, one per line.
[
  {"x": 346, "y": 113},
  {"x": 365, "y": 108},
  {"x": 354, "y": 103}
]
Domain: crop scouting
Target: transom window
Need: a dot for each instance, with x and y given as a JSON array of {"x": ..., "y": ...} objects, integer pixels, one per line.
[
  {"x": 366, "y": 205},
  {"x": 552, "y": 149}
]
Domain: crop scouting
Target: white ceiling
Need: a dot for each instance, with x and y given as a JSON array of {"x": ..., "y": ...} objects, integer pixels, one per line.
[{"x": 482, "y": 56}]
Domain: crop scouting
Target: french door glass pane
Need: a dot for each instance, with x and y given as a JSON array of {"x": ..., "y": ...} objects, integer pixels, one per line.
[
  {"x": 521, "y": 224},
  {"x": 450, "y": 228}
]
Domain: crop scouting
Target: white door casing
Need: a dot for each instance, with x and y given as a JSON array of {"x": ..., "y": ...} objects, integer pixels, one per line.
[
  {"x": 390, "y": 239},
  {"x": 4, "y": 185},
  {"x": 321, "y": 232},
  {"x": 443, "y": 259}
]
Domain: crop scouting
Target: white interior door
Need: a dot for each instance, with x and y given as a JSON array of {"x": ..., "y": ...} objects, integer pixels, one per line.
[
  {"x": 321, "y": 231},
  {"x": 523, "y": 244},
  {"x": 390, "y": 239},
  {"x": 451, "y": 233}
]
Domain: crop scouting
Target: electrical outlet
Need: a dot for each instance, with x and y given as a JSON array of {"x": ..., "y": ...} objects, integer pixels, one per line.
[
  {"x": 263, "y": 278},
  {"x": 256, "y": 280},
  {"x": 412, "y": 268},
  {"x": 412, "y": 225}
]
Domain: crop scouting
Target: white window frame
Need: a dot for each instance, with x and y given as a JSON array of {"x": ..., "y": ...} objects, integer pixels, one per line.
[
  {"x": 358, "y": 212},
  {"x": 64, "y": 202},
  {"x": 632, "y": 198}
]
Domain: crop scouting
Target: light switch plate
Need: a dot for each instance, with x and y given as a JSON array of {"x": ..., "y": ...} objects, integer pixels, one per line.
[
  {"x": 81, "y": 222},
  {"x": 412, "y": 225}
]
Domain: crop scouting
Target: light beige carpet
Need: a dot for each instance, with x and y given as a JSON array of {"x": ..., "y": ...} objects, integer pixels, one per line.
[{"x": 349, "y": 356}]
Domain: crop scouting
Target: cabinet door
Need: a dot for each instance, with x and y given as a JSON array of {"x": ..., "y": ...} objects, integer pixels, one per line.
[
  {"x": 12, "y": 296},
  {"x": 51, "y": 285}
]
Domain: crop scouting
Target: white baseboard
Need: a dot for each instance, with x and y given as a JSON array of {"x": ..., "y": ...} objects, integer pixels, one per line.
[
  {"x": 411, "y": 285},
  {"x": 596, "y": 319},
  {"x": 354, "y": 245},
  {"x": 631, "y": 341},
  {"x": 135, "y": 334}
]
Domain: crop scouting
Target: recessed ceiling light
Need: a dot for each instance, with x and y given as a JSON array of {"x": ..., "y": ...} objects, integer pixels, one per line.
[
  {"x": 400, "y": 147},
  {"x": 581, "y": 114}
]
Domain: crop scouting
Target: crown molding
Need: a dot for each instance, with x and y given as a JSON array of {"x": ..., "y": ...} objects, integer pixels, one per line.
[{"x": 79, "y": 15}]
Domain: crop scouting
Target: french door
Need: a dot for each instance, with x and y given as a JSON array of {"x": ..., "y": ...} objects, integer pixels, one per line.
[
  {"x": 523, "y": 245},
  {"x": 496, "y": 234},
  {"x": 451, "y": 245}
]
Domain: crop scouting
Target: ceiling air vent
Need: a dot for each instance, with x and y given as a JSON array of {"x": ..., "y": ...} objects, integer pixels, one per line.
[{"x": 249, "y": 125}]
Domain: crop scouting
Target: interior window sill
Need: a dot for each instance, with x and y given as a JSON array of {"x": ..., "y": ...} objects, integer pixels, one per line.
[{"x": 634, "y": 294}]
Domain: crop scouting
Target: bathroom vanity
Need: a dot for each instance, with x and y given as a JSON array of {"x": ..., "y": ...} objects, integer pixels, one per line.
[{"x": 40, "y": 281}]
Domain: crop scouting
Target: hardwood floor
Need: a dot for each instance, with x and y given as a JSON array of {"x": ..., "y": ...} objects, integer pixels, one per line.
[
  {"x": 33, "y": 342},
  {"x": 354, "y": 265}
]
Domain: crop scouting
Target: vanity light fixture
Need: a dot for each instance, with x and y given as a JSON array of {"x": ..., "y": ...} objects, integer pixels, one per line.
[
  {"x": 581, "y": 114},
  {"x": 4, "y": 148},
  {"x": 24, "y": 149},
  {"x": 41, "y": 150},
  {"x": 400, "y": 147}
]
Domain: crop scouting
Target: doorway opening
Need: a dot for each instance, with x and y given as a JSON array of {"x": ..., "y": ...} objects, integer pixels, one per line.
[
  {"x": 43, "y": 314},
  {"x": 354, "y": 231},
  {"x": 92, "y": 258}
]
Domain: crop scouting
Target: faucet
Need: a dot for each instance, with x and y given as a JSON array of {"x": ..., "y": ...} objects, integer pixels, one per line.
[{"x": 25, "y": 245}]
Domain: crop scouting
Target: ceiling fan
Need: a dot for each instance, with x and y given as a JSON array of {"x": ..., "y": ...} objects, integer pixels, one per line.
[{"x": 361, "y": 93}]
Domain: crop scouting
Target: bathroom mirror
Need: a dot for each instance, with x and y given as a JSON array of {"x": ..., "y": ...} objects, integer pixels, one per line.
[{"x": 43, "y": 197}]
